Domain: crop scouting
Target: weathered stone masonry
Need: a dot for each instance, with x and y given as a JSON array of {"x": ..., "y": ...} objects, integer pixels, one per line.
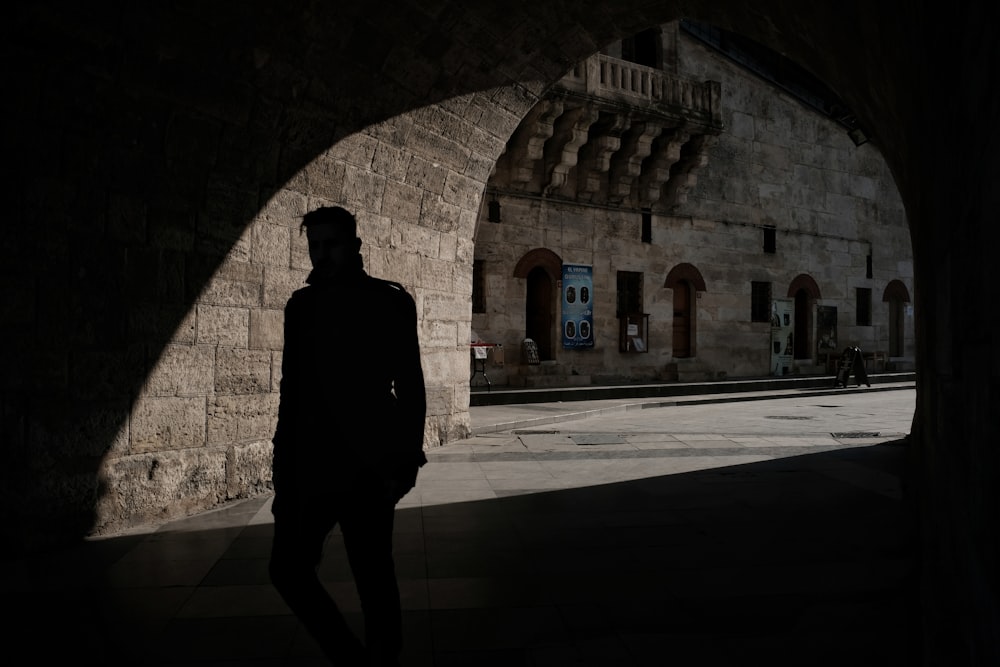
[
  {"x": 143, "y": 142},
  {"x": 714, "y": 167}
]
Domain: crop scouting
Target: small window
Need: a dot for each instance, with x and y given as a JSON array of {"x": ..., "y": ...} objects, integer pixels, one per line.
[
  {"x": 868, "y": 266},
  {"x": 770, "y": 240},
  {"x": 478, "y": 287},
  {"x": 647, "y": 226},
  {"x": 629, "y": 292},
  {"x": 494, "y": 211},
  {"x": 760, "y": 302},
  {"x": 863, "y": 300}
]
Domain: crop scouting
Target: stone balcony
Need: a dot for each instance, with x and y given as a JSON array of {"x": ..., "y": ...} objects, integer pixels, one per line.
[
  {"x": 613, "y": 132},
  {"x": 645, "y": 90}
]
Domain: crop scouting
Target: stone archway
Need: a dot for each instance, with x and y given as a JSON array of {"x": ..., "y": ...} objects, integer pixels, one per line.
[
  {"x": 147, "y": 140},
  {"x": 541, "y": 270},
  {"x": 896, "y": 295},
  {"x": 806, "y": 293},
  {"x": 686, "y": 282}
]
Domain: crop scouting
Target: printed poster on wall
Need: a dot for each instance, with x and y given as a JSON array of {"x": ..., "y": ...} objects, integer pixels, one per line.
[
  {"x": 782, "y": 336},
  {"x": 577, "y": 306},
  {"x": 826, "y": 331}
]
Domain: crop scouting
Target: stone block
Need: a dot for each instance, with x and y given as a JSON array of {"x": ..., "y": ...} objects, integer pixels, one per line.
[
  {"x": 240, "y": 371},
  {"x": 479, "y": 167},
  {"x": 742, "y": 125},
  {"x": 391, "y": 162},
  {"x": 150, "y": 321},
  {"x": 326, "y": 179},
  {"x": 374, "y": 231},
  {"x": 440, "y": 400},
  {"x": 279, "y": 285},
  {"x": 241, "y": 419},
  {"x": 485, "y": 143},
  {"x": 445, "y": 306},
  {"x": 285, "y": 208},
  {"x": 439, "y": 215},
  {"x": 443, "y": 365},
  {"x": 234, "y": 283},
  {"x": 402, "y": 202},
  {"x": 299, "y": 251},
  {"x": 426, "y": 175},
  {"x": 223, "y": 325},
  {"x": 217, "y": 241},
  {"x": 840, "y": 206},
  {"x": 448, "y": 247},
  {"x": 417, "y": 240},
  {"x": 267, "y": 329},
  {"x": 357, "y": 149},
  {"x": 248, "y": 469},
  {"x": 166, "y": 423},
  {"x": 401, "y": 268},
  {"x": 393, "y": 131},
  {"x": 154, "y": 487},
  {"x": 182, "y": 370},
  {"x": 362, "y": 190},
  {"x": 437, "y": 333},
  {"x": 276, "y": 358},
  {"x": 271, "y": 245},
  {"x": 448, "y": 152},
  {"x": 465, "y": 251}
]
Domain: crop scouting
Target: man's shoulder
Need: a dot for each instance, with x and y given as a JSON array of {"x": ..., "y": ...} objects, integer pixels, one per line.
[
  {"x": 389, "y": 288},
  {"x": 301, "y": 293}
]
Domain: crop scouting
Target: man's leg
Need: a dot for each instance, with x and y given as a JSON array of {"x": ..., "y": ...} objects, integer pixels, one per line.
[
  {"x": 299, "y": 536},
  {"x": 367, "y": 528}
]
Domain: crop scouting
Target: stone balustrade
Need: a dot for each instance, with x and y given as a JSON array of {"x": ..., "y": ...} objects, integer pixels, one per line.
[{"x": 612, "y": 78}]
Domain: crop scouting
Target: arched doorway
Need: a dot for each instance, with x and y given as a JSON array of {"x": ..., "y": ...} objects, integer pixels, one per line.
[
  {"x": 686, "y": 281},
  {"x": 896, "y": 295},
  {"x": 538, "y": 314},
  {"x": 541, "y": 269},
  {"x": 805, "y": 292},
  {"x": 682, "y": 320},
  {"x": 802, "y": 328}
]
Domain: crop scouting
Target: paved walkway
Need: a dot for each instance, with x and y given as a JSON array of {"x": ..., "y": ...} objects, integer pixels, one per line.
[{"x": 723, "y": 532}]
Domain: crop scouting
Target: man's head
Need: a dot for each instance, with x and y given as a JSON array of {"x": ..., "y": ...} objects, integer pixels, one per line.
[{"x": 333, "y": 238}]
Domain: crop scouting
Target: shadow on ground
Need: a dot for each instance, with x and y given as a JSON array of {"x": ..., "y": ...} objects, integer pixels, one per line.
[{"x": 808, "y": 560}]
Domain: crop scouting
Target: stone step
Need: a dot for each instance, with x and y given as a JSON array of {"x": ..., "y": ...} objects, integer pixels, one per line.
[
  {"x": 688, "y": 370},
  {"x": 547, "y": 381}
]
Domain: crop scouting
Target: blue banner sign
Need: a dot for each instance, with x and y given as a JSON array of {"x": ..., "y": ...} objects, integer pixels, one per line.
[{"x": 577, "y": 306}]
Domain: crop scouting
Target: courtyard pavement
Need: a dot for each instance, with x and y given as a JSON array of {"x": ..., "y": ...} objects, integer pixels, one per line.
[{"x": 736, "y": 530}]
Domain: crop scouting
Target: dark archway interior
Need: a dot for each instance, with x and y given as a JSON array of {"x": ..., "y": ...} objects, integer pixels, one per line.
[
  {"x": 141, "y": 141},
  {"x": 538, "y": 311}
]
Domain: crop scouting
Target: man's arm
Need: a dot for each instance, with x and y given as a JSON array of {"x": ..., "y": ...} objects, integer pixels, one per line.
[
  {"x": 409, "y": 387},
  {"x": 289, "y": 400}
]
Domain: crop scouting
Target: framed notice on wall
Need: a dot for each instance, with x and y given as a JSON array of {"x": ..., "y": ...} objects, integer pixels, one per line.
[{"x": 577, "y": 306}]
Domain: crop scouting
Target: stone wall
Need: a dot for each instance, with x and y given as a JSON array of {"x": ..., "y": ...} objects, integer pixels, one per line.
[
  {"x": 777, "y": 163},
  {"x": 200, "y": 429}
]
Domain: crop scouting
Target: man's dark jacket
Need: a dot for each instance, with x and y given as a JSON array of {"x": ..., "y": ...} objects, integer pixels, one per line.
[{"x": 353, "y": 402}]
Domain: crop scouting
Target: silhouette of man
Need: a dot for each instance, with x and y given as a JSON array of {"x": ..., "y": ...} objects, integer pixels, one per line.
[{"x": 349, "y": 438}]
